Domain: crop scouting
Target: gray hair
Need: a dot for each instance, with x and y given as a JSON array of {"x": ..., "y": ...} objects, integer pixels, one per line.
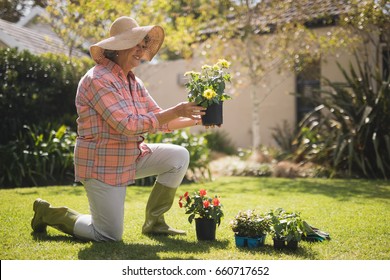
[{"x": 110, "y": 54}]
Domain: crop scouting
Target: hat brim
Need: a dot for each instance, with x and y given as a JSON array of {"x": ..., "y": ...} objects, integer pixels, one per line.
[{"x": 130, "y": 39}]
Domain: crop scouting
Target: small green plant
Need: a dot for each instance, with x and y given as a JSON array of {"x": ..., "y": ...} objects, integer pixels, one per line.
[
  {"x": 250, "y": 224},
  {"x": 199, "y": 205},
  {"x": 285, "y": 225}
]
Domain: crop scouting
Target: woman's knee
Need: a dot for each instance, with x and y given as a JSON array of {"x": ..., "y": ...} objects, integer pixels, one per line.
[
  {"x": 183, "y": 154},
  {"x": 113, "y": 233},
  {"x": 179, "y": 160}
]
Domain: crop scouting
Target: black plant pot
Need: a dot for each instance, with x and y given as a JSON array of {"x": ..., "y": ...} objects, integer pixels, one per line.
[
  {"x": 279, "y": 243},
  {"x": 214, "y": 114},
  {"x": 292, "y": 245},
  {"x": 205, "y": 229}
]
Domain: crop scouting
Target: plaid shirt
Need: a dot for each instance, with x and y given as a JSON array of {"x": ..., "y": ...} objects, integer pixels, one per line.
[{"x": 113, "y": 113}]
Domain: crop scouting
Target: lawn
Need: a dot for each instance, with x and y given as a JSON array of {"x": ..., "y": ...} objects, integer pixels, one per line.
[{"x": 356, "y": 213}]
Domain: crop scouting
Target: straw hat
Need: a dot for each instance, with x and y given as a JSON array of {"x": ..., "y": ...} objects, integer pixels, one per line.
[{"x": 125, "y": 33}]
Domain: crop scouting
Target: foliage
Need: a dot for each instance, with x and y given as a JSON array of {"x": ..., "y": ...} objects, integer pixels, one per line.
[
  {"x": 350, "y": 128},
  {"x": 196, "y": 146},
  {"x": 36, "y": 90},
  {"x": 208, "y": 86},
  {"x": 199, "y": 205},
  {"x": 38, "y": 157},
  {"x": 219, "y": 141},
  {"x": 250, "y": 224},
  {"x": 286, "y": 225},
  {"x": 284, "y": 137},
  {"x": 77, "y": 21}
]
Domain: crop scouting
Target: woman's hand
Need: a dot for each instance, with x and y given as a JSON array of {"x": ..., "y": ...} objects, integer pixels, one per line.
[
  {"x": 189, "y": 110},
  {"x": 182, "y": 110}
]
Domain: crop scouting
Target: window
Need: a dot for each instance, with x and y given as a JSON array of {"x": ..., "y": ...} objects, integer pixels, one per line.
[
  {"x": 386, "y": 64},
  {"x": 308, "y": 84}
]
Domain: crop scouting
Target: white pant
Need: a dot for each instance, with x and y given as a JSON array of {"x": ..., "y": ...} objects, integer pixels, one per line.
[{"x": 169, "y": 162}]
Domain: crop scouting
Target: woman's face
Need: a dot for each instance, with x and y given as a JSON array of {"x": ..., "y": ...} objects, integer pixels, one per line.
[{"x": 131, "y": 58}]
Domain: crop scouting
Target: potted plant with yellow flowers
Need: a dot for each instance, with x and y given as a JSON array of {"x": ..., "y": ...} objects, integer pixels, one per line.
[
  {"x": 207, "y": 89},
  {"x": 206, "y": 211}
]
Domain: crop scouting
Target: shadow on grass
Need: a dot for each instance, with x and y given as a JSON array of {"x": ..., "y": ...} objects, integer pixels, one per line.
[
  {"x": 192, "y": 249},
  {"x": 342, "y": 190},
  {"x": 59, "y": 238},
  {"x": 138, "y": 251},
  {"x": 268, "y": 251}
]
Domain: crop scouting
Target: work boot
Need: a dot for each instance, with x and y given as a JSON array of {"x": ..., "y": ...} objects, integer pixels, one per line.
[
  {"x": 61, "y": 218},
  {"x": 159, "y": 202}
]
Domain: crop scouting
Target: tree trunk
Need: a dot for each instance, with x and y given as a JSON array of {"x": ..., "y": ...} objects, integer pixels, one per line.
[{"x": 256, "y": 135}]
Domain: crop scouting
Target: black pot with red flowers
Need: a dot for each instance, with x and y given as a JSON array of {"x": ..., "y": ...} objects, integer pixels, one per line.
[{"x": 206, "y": 211}]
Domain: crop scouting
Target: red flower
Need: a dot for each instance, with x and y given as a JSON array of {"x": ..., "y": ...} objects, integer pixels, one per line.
[{"x": 198, "y": 204}]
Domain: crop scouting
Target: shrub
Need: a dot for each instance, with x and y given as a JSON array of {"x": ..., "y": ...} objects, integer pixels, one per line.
[
  {"x": 37, "y": 90},
  {"x": 348, "y": 132},
  {"x": 220, "y": 142},
  {"x": 38, "y": 157}
]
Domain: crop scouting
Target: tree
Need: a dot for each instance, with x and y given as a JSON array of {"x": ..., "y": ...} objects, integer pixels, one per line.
[
  {"x": 13, "y": 10},
  {"x": 79, "y": 20}
]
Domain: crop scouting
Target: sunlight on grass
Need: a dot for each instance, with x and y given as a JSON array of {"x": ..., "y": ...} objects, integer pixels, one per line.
[{"x": 355, "y": 213}]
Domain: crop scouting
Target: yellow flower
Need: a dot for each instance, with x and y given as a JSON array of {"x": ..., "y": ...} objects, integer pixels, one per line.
[
  {"x": 209, "y": 94},
  {"x": 224, "y": 63},
  {"x": 191, "y": 73}
]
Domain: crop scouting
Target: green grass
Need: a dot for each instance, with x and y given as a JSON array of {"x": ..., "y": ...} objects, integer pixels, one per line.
[{"x": 356, "y": 213}]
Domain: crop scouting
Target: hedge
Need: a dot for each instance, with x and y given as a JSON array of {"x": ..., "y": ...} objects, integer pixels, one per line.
[{"x": 37, "y": 90}]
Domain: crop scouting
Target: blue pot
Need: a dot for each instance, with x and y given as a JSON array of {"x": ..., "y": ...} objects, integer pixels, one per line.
[
  {"x": 250, "y": 242},
  {"x": 240, "y": 241},
  {"x": 255, "y": 242}
]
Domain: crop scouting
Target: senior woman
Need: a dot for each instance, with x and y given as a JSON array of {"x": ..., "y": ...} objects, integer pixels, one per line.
[{"x": 114, "y": 111}]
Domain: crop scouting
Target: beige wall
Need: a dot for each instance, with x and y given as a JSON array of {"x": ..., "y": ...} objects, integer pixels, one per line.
[{"x": 162, "y": 82}]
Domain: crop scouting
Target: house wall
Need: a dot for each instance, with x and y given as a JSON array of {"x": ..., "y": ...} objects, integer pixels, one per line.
[{"x": 162, "y": 82}]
